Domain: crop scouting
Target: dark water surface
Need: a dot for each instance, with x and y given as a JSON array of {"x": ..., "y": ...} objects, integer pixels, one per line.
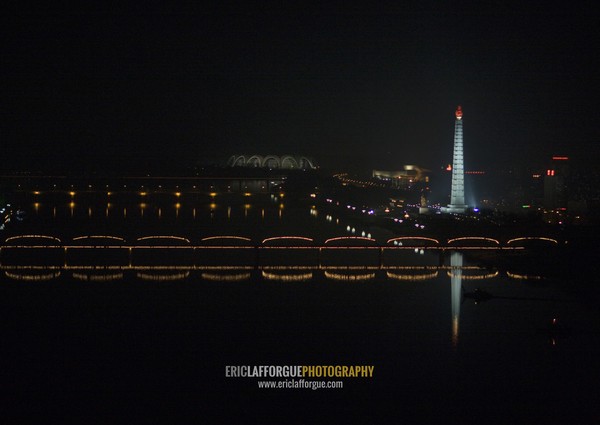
[{"x": 151, "y": 346}]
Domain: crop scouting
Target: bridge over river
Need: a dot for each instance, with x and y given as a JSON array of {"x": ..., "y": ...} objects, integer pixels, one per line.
[{"x": 240, "y": 251}]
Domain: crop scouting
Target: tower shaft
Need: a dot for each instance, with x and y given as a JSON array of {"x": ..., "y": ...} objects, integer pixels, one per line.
[{"x": 457, "y": 192}]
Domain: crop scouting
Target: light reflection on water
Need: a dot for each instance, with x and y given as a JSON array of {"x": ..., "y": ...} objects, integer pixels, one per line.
[
  {"x": 379, "y": 275},
  {"x": 249, "y": 216},
  {"x": 450, "y": 279},
  {"x": 252, "y": 219},
  {"x": 192, "y": 275},
  {"x": 434, "y": 331},
  {"x": 456, "y": 263}
]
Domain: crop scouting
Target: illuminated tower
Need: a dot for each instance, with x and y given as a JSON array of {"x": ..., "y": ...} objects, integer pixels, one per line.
[{"x": 457, "y": 194}]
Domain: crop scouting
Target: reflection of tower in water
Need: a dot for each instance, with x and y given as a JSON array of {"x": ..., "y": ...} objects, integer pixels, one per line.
[{"x": 456, "y": 262}]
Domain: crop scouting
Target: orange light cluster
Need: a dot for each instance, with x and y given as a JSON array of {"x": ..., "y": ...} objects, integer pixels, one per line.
[{"x": 458, "y": 113}]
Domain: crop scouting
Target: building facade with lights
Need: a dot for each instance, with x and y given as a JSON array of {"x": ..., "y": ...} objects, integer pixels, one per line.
[
  {"x": 555, "y": 184},
  {"x": 285, "y": 162},
  {"x": 403, "y": 178}
]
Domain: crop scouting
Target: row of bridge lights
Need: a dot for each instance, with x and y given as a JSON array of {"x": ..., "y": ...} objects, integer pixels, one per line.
[
  {"x": 142, "y": 188},
  {"x": 142, "y": 206},
  {"x": 144, "y": 192}
]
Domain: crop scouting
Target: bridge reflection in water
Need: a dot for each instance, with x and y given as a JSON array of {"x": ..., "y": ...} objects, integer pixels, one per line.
[
  {"x": 380, "y": 274},
  {"x": 284, "y": 258},
  {"x": 165, "y": 259}
]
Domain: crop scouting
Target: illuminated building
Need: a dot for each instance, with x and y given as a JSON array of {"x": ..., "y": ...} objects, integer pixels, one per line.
[
  {"x": 555, "y": 183},
  {"x": 286, "y": 162},
  {"x": 457, "y": 194},
  {"x": 403, "y": 178}
]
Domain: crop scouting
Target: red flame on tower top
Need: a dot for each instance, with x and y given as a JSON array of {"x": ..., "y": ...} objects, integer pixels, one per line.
[{"x": 458, "y": 113}]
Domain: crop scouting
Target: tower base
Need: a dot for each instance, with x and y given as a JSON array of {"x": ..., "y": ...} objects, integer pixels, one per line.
[{"x": 455, "y": 209}]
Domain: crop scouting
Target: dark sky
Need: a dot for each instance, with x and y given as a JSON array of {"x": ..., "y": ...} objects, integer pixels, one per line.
[{"x": 175, "y": 85}]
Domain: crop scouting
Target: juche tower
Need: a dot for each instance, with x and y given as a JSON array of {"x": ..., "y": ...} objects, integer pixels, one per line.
[{"x": 457, "y": 194}]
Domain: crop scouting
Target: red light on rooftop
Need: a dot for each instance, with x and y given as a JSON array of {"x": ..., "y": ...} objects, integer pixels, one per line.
[
  {"x": 560, "y": 158},
  {"x": 449, "y": 167},
  {"x": 458, "y": 113}
]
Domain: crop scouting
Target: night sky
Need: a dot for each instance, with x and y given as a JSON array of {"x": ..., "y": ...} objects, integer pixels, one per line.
[{"x": 168, "y": 85}]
